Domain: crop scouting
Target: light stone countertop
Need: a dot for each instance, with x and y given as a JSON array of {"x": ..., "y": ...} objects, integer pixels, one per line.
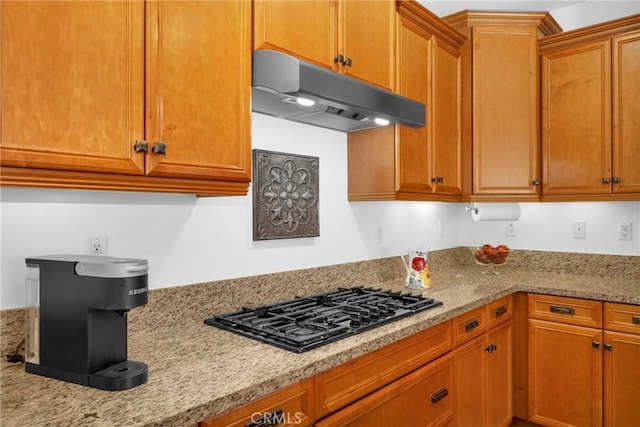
[{"x": 197, "y": 371}]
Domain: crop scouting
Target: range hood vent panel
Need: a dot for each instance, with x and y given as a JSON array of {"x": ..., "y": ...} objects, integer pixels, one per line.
[{"x": 342, "y": 103}]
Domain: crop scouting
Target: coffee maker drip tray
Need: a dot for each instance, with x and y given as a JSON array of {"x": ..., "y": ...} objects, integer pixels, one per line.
[{"x": 121, "y": 376}]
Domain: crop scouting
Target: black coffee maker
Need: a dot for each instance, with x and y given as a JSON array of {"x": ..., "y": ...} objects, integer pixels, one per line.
[{"x": 77, "y": 319}]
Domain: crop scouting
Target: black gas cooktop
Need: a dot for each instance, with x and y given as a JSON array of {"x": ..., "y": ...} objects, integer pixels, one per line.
[{"x": 304, "y": 323}]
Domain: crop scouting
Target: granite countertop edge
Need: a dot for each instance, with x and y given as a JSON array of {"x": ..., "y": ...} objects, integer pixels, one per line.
[{"x": 186, "y": 386}]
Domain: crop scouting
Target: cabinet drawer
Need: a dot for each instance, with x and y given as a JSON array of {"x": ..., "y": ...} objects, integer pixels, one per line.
[
  {"x": 469, "y": 325},
  {"x": 622, "y": 317},
  {"x": 291, "y": 406},
  {"x": 350, "y": 381},
  {"x": 500, "y": 311},
  {"x": 421, "y": 398},
  {"x": 573, "y": 311}
]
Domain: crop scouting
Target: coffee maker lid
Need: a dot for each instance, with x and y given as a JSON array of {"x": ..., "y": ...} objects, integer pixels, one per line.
[{"x": 100, "y": 266}]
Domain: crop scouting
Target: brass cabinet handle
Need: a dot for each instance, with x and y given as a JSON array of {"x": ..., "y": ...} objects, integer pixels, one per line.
[{"x": 439, "y": 395}]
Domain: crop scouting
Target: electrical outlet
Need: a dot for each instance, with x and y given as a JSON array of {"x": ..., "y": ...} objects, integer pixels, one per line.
[
  {"x": 510, "y": 229},
  {"x": 96, "y": 245},
  {"x": 579, "y": 230},
  {"x": 624, "y": 230}
]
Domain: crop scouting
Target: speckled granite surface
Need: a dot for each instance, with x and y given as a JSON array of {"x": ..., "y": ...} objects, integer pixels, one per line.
[{"x": 196, "y": 371}]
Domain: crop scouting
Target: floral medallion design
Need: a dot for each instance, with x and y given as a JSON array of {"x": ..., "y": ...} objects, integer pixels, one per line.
[{"x": 285, "y": 195}]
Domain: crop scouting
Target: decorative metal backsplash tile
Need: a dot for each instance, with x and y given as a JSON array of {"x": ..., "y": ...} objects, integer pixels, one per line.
[{"x": 285, "y": 195}]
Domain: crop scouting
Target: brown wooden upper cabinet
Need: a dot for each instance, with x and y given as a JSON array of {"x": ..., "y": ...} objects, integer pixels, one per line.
[
  {"x": 355, "y": 38},
  {"x": 590, "y": 110},
  {"x": 127, "y": 95},
  {"x": 401, "y": 163},
  {"x": 501, "y": 100}
]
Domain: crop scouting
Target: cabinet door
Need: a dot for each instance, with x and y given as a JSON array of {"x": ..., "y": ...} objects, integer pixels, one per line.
[
  {"x": 483, "y": 372},
  {"x": 445, "y": 119},
  {"x": 621, "y": 379},
  {"x": 505, "y": 110},
  {"x": 72, "y": 85},
  {"x": 471, "y": 379},
  {"x": 198, "y": 88},
  {"x": 576, "y": 120},
  {"x": 565, "y": 374},
  {"x": 626, "y": 110},
  {"x": 414, "y": 154},
  {"x": 306, "y": 29},
  {"x": 421, "y": 398},
  {"x": 499, "y": 376},
  {"x": 366, "y": 36}
]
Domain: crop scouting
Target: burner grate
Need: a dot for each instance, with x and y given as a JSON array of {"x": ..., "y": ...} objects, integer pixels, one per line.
[{"x": 305, "y": 323}]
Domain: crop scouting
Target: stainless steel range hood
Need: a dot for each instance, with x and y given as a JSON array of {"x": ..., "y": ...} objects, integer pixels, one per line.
[{"x": 341, "y": 103}]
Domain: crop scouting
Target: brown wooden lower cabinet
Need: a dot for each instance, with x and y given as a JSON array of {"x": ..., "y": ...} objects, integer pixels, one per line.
[
  {"x": 583, "y": 375},
  {"x": 554, "y": 361},
  {"x": 421, "y": 398},
  {"x": 621, "y": 365},
  {"x": 483, "y": 373},
  {"x": 565, "y": 374}
]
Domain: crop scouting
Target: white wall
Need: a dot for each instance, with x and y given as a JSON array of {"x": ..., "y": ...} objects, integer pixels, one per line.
[
  {"x": 586, "y": 13},
  {"x": 190, "y": 240}
]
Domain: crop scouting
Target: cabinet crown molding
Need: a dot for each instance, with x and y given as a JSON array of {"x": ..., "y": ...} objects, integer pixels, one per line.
[
  {"x": 591, "y": 33},
  {"x": 469, "y": 18}
]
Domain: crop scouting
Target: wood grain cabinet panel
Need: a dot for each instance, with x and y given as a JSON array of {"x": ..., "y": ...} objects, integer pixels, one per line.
[
  {"x": 421, "y": 398},
  {"x": 320, "y": 31},
  {"x": 403, "y": 163},
  {"x": 469, "y": 325},
  {"x": 344, "y": 384},
  {"x": 576, "y": 141},
  {"x": 72, "y": 85},
  {"x": 501, "y": 100},
  {"x": 574, "y": 311},
  {"x": 626, "y": 110},
  {"x": 590, "y": 88},
  {"x": 565, "y": 374},
  {"x": 621, "y": 379},
  {"x": 500, "y": 310},
  {"x": 86, "y": 84},
  {"x": 622, "y": 317},
  {"x": 483, "y": 372}
]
